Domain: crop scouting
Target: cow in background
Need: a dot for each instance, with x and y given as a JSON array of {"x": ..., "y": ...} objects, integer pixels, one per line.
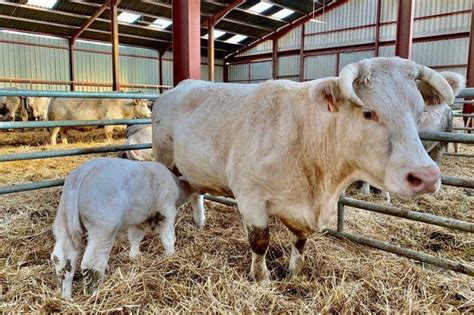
[{"x": 93, "y": 109}]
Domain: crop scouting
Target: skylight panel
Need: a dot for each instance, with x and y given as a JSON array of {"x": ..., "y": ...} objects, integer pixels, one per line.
[
  {"x": 48, "y": 4},
  {"x": 283, "y": 13},
  {"x": 127, "y": 17},
  {"x": 236, "y": 39},
  {"x": 161, "y": 23},
  {"x": 217, "y": 34},
  {"x": 260, "y": 7}
]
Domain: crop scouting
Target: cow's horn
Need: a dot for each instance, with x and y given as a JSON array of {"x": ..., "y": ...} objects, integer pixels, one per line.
[
  {"x": 437, "y": 81},
  {"x": 347, "y": 76}
]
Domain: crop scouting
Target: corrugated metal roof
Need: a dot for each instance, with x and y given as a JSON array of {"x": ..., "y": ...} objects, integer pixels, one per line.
[{"x": 68, "y": 15}]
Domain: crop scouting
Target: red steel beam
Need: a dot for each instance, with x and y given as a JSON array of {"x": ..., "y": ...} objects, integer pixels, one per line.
[
  {"x": 469, "y": 108},
  {"x": 115, "y": 45},
  {"x": 377, "y": 27},
  {"x": 71, "y": 65},
  {"x": 404, "y": 40},
  {"x": 160, "y": 63},
  {"x": 285, "y": 29},
  {"x": 301, "y": 74},
  {"x": 275, "y": 59},
  {"x": 90, "y": 20},
  {"x": 186, "y": 40}
]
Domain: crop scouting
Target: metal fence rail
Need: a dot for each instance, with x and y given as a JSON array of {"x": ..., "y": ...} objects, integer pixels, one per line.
[
  {"x": 71, "y": 123},
  {"x": 112, "y": 95}
]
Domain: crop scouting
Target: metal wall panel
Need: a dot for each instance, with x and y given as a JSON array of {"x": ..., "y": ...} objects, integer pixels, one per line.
[
  {"x": 292, "y": 40},
  {"x": 387, "y": 51},
  {"x": 264, "y": 47},
  {"x": 389, "y": 10},
  {"x": 442, "y": 25},
  {"x": 341, "y": 38},
  {"x": 347, "y": 58},
  {"x": 289, "y": 65},
  {"x": 32, "y": 62},
  {"x": 316, "y": 67},
  {"x": 261, "y": 70},
  {"x": 431, "y": 7},
  {"x": 354, "y": 13},
  {"x": 218, "y": 72},
  {"x": 168, "y": 72},
  {"x": 238, "y": 72},
  {"x": 445, "y": 52}
]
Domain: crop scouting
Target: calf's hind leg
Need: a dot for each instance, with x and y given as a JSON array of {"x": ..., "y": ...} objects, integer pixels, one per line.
[
  {"x": 199, "y": 216},
  {"x": 64, "y": 258},
  {"x": 99, "y": 244},
  {"x": 136, "y": 234}
]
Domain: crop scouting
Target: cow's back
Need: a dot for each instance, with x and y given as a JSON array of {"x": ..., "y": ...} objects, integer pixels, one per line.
[{"x": 83, "y": 109}]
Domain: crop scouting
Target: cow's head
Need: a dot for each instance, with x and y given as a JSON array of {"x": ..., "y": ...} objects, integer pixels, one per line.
[
  {"x": 141, "y": 108},
  {"x": 378, "y": 103}
]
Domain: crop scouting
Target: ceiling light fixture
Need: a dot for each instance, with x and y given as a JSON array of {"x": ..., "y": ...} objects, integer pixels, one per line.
[{"x": 324, "y": 6}]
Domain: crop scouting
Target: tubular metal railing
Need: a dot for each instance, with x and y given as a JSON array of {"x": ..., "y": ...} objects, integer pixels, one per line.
[{"x": 339, "y": 233}]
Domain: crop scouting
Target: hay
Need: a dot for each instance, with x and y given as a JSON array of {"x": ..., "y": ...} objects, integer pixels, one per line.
[{"x": 209, "y": 271}]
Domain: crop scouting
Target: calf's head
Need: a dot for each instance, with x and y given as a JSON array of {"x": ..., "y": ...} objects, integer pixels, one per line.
[{"x": 377, "y": 103}]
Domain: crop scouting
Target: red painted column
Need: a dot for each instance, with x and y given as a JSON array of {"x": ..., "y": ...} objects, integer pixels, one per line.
[
  {"x": 226, "y": 72},
  {"x": 469, "y": 108},
  {"x": 275, "y": 58},
  {"x": 71, "y": 65},
  {"x": 403, "y": 43},
  {"x": 186, "y": 40},
  {"x": 115, "y": 45},
  {"x": 161, "y": 54},
  {"x": 377, "y": 28}
]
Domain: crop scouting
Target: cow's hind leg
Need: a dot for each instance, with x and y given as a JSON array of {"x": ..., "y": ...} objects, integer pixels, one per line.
[
  {"x": 199, "y": 216},
  {"x": 99, "y": 244},
  {"x": 297, "y": 251},
  {"x": 53, "y": 135},
  {"x": 64, "y": 258},
  {"x": 63, "y": 133}
]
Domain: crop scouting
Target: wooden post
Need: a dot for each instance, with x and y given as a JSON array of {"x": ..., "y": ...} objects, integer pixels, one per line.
[
  {"x": 302, "y": 54},
  {"x": 72, "y": 84},
  {"x": 186, "y": 40},
  {"x": 210, "y": 50},
  {"x": 160, "y": 65},
  {"x": 377, "y": 28},
  {"x": 404, "y": 40},
  {"x": 469, "y": 108},
  {"x": 115, "y": 45},
  {"x": 275, "y": 59}
]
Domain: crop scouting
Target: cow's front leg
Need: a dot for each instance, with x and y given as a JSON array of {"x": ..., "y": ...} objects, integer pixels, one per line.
[
  {"x": 259, "y": 238},
  {"x": 297, "y": 256}
]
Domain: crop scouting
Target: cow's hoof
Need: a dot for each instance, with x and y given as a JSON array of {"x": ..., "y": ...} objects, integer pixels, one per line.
[
  {"x": 199, "y": 225},
  {"x": 297, "y": 276}
]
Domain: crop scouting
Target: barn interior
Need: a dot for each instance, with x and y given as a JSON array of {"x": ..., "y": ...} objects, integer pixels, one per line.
[{"x": 145, "y": 48}]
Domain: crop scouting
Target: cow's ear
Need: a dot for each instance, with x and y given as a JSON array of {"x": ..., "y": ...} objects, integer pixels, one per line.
[
  {"x": 432, "y": 97},
  {"x": 327, "y": 93}
]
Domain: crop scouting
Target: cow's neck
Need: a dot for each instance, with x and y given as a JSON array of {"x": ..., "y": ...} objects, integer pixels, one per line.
[{"x": 326, "y": 171}]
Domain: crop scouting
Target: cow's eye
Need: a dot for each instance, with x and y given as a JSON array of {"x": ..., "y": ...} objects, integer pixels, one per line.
[{"x": 369, "y": 115}]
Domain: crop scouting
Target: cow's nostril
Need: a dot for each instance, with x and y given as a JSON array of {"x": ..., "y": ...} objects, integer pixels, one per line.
[{"x": 413, "y": 180}]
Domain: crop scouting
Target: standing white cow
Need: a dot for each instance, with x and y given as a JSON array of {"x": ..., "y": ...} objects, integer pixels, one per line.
[
  {"x": 38, "y": 107},
  {"x": 437, "y": 116},
  {"x": 107, "y": 196},
  {"x": 11, "y": 108},
  {"x": 93, "y": 109},
  {"x": 288, "y": 149}
]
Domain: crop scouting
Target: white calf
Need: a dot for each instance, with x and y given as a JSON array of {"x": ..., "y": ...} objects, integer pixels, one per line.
[{"x": 104, "y": 197}]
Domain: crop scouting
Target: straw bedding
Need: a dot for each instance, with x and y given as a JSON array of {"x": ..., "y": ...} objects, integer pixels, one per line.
[{"x": 209, "y": 273}]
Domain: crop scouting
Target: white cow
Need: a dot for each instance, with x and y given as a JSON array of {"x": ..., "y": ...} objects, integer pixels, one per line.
[
  {"x": 139, "y": 136},
  {"x": 106, "y": 196},
  {"x": 437, "y": 116},
  {"x": 93, "y": 109},
  {"x": 38, "y": 107},
  {"x": 288, "y": 149},
  {"x": 11, "y": 108}
]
